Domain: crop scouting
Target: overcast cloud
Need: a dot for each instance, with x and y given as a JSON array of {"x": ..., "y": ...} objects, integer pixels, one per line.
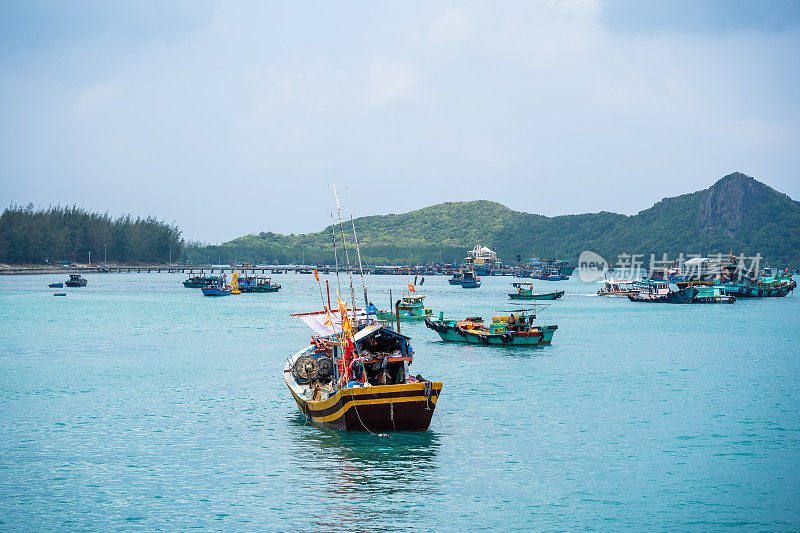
[{"x": 232, "y": 118}]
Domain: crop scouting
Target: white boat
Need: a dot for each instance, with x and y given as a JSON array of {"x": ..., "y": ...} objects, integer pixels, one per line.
[{"x": 617, "y": 287}]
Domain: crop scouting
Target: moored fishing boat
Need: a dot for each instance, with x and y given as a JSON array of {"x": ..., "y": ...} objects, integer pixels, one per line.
[
  {"x": 198, "y": 282},
  {"x": 652, "y": 291},
  {"x": 511, "y": 330},
  {"x": 266, "y": 285},
  {"x": 469, "y": 280},
  {"x": 218, "y": 288},
  {"x": 58, "y": 285},
  {"x": 360, "y": 382},
  {"x": 75, "y": 280},
  {"x": 715, "y": 294},
  {"x": 411, "y": 308},
  {"x": 256, "y": 284},
  {"x": 354, "y": 374},
  {"x": 617, "y": 287},
  {"x": 769, "y": 284},
  {"x": 525, "y": 292},
  {"x": 456, "y": 279}
]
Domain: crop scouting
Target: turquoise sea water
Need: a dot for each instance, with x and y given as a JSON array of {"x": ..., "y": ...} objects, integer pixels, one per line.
[{"x": 135, "y": 403}]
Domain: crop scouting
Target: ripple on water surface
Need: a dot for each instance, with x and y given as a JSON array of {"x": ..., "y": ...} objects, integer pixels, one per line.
[{"x": 134, "y": 403}]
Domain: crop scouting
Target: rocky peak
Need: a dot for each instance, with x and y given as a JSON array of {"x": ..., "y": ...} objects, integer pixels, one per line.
[{"x": 725, "y": 203}]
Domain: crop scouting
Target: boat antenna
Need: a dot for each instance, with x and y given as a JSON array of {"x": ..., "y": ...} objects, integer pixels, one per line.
[
  {"x": 360, "y": 266},
  {"x": 346, "y": 254}
]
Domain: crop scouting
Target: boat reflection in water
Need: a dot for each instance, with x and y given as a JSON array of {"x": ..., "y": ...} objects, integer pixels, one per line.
[{"x": 364, "y": 479}]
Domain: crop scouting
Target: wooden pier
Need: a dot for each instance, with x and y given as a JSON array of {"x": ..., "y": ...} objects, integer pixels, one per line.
[{"x": 212, "y": 269}]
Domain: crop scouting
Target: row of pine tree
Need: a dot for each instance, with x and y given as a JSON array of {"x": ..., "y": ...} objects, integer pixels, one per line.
[{"x": 56, "y": 234}]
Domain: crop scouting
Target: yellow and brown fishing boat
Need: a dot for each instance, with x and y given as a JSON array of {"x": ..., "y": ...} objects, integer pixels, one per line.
[
  {"x": 355, "y": 373},
  {"x": 359, "y": 382}
]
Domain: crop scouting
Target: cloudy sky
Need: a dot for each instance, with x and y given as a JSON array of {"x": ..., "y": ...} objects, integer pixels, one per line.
[{"x": 232, "y": 118}]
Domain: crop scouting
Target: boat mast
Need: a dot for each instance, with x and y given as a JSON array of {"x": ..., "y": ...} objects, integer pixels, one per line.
[
  {"x": 360, "y": 266},
  {"x": 346, "y": 254},
  {"x": 335, "y": 257}
]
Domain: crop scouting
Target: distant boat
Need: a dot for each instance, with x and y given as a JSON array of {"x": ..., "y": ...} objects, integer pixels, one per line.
[
  {"x": 525, "y": 292},
  {"x": 482, "y": 260},
  {"x": 769, "y": 285},
  {"x": 456, "y": 279},
  {"x": 59, "y": 294},
  {"x": 75, "y": 280},
  {"x": 614, "y": 287},
  {"x": 58, "y": 285},
  {"x": 651, "y": 291},
  {"x": 198, "y": 282},
  {"x": 511, "y": 330},
  {"x": 715, "y": 294},
  {"x": 469, "y": 280},
  {"x": 410, "y": 308},
  {"x": 217, "y": 290},
  {"x": 256, "y": 284}
]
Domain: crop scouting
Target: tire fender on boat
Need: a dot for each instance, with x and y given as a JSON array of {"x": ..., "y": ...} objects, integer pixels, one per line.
[
  {"x": 506, "y": 338},
  {"x": 484, "y": 339}
]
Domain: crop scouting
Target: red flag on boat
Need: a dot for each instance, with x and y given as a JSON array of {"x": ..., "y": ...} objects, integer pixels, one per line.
[
  {"x": 316, "y": 274},
  {"x": 411, "y": 288}
]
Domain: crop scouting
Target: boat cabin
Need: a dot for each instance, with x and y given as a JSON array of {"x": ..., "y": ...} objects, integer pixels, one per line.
[
  {"x": 381, "y": 357},
  {"x": 612, "y": 286},
  {"x": 653, "y": 288},
  {"x": 412, "y": 303}
]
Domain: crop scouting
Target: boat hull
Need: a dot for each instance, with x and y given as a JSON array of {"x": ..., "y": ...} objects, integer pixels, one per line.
[
  {"x": 742, "y": 290},
  {"x": 213, "y": 291},
  {"x": 265, "y": 289},
  {"x": 75, "y": 283},
  {"x": 617, "y": 294},
  {"x": 454, "y": 281},
  {"x": 379, "y": 408},
  {"x": 683, "y": 296},
  {"x": 470, "y": 284}
]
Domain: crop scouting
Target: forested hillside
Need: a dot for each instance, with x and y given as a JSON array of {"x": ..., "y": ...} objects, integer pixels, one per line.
[
  {"x": 56, "y": 234},
  {"x": 737, "y": 212}
]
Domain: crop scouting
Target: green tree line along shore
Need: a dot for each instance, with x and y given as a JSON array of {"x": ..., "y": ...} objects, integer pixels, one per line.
[
  {"x": 737, "y": 213},
  {"x": 57, "y": 234}
]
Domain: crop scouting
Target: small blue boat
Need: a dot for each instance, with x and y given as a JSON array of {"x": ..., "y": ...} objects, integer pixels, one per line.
[
  {"x": 553, "y": 274},
  {"x": 469, "y": 280},
  {"x": 58, "y": 285},
  {"x": 216, "y": 290},
  {"x": 456, "y": 279}
]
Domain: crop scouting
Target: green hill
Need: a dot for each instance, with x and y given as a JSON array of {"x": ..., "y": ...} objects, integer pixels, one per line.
[{"x": 737, "y": 212}]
